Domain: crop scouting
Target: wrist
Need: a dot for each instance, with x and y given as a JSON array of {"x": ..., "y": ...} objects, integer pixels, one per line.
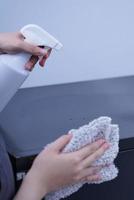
[
  {"x": 30, "y": 189},
  {"x": 33, "y": 179}
]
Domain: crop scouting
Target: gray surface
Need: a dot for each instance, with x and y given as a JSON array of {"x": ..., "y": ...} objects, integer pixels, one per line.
[
  {"x": 98, "y": 37},
  {"x": 37, "y": 116}
]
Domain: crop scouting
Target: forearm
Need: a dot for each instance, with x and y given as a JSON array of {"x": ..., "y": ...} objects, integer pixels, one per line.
[{"x": 29, "y": 190}]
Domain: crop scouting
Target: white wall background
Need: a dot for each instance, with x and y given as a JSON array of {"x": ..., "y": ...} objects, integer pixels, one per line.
[{"x": 98, "y": 37}]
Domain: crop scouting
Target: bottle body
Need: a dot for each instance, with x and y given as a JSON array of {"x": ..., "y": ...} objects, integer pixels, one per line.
[
  {"x": 12, "y": 75},
  {"x": 12, "y": 70}
]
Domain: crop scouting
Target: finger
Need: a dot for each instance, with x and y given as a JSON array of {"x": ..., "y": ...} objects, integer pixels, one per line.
[
  {"x": 92, "y": 178},
  {"x": 34, "y": 50},
  {"x": 61, "y": 142},
  {"x": 43, "y": 60},
  {"x": 89, "y": 149},
  {"x": 97, "y": 154},
  {"x": 90, "y": 171},
  {"x": 31, "y": 63}
]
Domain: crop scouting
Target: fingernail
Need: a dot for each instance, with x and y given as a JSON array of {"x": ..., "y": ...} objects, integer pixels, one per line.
[
  {"x": 106, "y": 145},
  {"x": 101, "y": 141},
  {"x": 96, "y": 170},
  {"x": 100, "y": 167},
  {"x": 98, "y": 177},
  {"x": 47, "y": 55},
  {"x": 70, "y": 134},
  {"x": 27, "y": 67}
]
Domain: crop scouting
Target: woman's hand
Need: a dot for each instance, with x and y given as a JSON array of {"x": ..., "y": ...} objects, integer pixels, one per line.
[
  {"x": 53, "y": 169},
  {"x": 13, "y": 43}
]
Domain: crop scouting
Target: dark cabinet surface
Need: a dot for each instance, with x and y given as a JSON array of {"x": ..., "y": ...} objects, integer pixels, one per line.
[{"x": 37, "y": 116}]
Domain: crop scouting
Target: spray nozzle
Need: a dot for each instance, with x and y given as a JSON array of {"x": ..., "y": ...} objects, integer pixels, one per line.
[{"x": 38, "y": 36}]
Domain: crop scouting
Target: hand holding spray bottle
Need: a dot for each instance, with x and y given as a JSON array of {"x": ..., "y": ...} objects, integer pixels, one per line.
[{"x": 12, "y": 67}]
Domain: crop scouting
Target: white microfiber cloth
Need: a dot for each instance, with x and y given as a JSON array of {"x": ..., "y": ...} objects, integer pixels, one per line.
[{"x": 100, "y": 128}]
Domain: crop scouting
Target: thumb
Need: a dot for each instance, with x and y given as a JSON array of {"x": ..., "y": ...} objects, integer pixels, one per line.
[
  {"x": 34, "y": 50},
  {"x": 61, "y": 142}
]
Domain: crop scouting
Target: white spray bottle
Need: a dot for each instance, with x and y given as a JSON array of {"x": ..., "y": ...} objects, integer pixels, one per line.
[{"x": 12, "y": 70}]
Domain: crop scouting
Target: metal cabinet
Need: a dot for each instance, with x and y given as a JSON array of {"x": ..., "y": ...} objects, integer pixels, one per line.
[{"x": 37, "y": 116}]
